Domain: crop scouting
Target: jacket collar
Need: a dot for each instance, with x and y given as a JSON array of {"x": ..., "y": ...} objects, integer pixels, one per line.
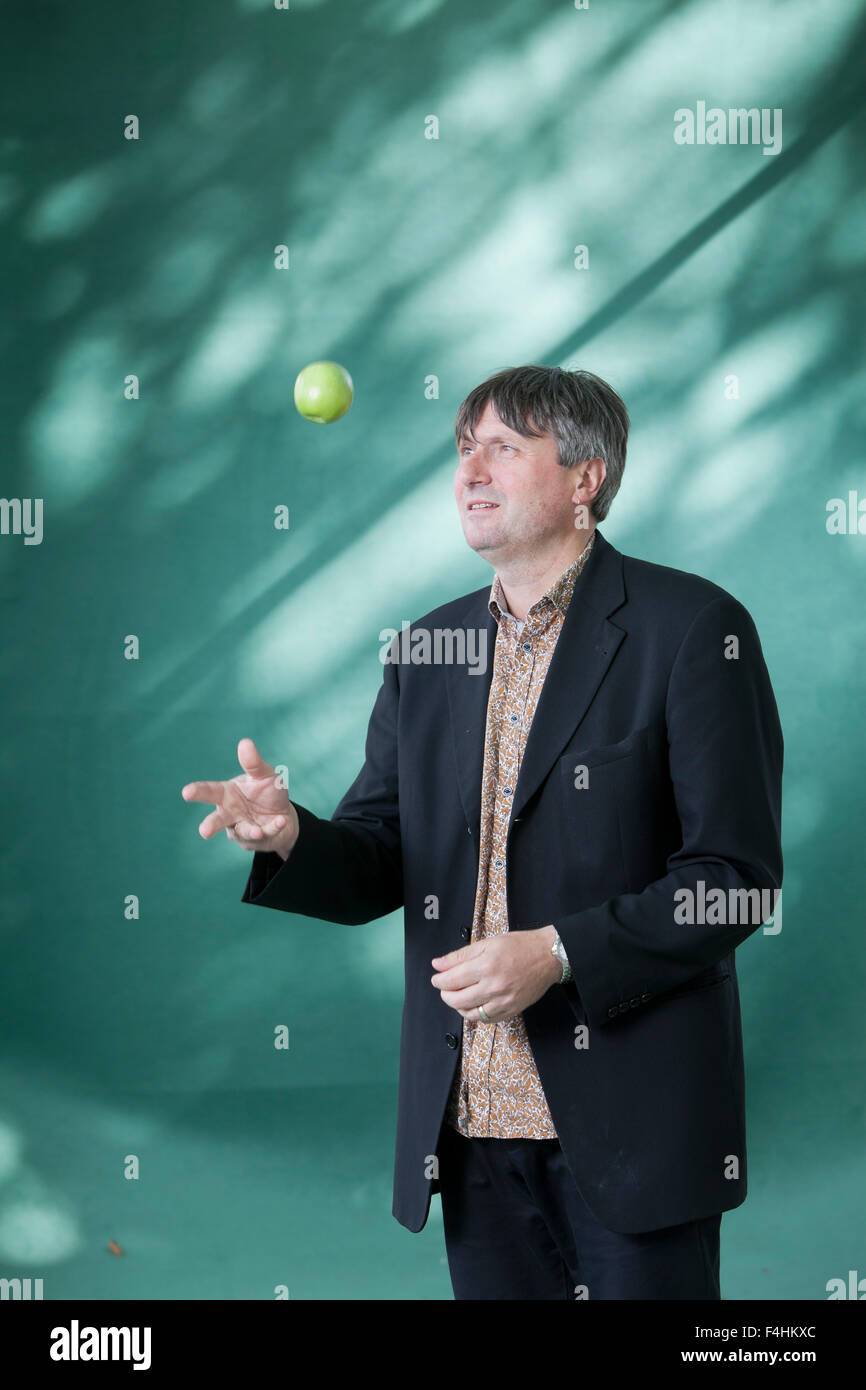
[{"x": 584, "y": 650}]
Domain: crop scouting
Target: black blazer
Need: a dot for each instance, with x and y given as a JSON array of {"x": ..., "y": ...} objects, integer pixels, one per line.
[{"x": 641, "y": 1057}]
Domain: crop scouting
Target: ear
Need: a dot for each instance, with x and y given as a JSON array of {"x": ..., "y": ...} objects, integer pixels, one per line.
[{"x": 589, "y": 476}]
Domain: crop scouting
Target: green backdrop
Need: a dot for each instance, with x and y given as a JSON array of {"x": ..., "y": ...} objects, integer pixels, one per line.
[{"x": 431, "y": 167}]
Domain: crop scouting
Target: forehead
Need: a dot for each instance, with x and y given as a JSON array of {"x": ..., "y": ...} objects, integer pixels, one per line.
[{"x": 490, "y": 428}]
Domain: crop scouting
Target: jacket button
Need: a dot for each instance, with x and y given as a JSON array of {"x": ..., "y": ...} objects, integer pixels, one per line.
[
  {"x": 645, "y": 997},
  {"x": 612, "y": 1013},
  {"x": 465, "y": 933},
  {"x": 451, "y": 1039},
  {"x": 623, "y": 1008},
  {"x": 634, "y": 1003}
]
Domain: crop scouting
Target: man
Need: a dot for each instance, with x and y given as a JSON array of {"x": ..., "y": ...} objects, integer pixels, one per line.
[{"x": 580, "y": 834}]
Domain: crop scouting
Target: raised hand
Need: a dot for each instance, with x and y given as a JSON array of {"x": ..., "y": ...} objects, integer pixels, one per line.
[{"x": 253, "y": 809}]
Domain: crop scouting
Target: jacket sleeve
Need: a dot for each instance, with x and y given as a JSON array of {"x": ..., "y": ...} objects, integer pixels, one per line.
[
  {"x": 725, "y": 758},
  {"x": 347, "y": 869}
]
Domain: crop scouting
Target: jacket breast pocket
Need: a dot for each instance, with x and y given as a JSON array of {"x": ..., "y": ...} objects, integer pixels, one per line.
[
  {"x": 607, "y": 798},
  {"x": 603, "y": 754}
]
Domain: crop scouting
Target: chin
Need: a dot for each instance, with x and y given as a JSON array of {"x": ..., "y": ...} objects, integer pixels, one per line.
[{"x": 484, "y": 539}]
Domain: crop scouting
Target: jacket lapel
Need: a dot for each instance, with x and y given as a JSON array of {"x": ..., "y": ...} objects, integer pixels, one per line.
[{"x": 585, "y": 649}]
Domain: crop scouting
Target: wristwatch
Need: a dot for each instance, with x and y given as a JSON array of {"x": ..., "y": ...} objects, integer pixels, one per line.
[{"x": 558, "y": 950}]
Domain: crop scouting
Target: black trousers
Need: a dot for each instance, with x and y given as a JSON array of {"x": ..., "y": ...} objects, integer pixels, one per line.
[{"x": 517, "y": 1227}]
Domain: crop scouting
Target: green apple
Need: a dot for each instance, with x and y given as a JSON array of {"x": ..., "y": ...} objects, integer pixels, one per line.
[{"x": 323, "y": 392}]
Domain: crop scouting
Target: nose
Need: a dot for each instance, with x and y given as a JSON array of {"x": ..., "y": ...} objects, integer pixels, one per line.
[{"x": 474, "y": 468}]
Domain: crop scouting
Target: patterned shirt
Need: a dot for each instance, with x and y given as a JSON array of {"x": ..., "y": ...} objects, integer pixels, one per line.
[{"x": 497, "y": 1091}]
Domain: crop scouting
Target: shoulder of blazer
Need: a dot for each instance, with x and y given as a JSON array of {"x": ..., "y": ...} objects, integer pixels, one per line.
[
  {"x": 646, "y": 588},
  {"x": 468, "y": 609},
  {"x": 677, "y": 595}
]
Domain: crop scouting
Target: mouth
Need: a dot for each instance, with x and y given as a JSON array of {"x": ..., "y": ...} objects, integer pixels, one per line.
[{"x": 481, "y": 506}]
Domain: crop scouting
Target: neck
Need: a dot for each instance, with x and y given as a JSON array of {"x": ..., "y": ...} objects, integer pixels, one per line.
[{"x": 525, "y": 578}]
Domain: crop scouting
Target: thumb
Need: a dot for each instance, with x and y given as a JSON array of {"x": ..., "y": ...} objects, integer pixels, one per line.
[{"x": 251, "y": 759}]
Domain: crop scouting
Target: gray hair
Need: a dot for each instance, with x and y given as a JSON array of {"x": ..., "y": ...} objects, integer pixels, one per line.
[{"x": 583, "y": 413}]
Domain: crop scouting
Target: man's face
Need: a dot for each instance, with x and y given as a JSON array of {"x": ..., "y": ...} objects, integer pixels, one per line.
[{"x": 532, "y": 494}]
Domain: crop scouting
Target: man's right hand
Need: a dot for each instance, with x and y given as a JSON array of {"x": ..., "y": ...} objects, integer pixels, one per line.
[{"x": 253, "y": 809}]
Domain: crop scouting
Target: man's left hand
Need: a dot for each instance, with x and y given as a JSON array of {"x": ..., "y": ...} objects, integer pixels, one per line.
[{"x": 503, "y": 973}]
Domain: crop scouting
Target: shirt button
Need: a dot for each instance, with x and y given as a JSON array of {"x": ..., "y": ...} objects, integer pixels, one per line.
[
  {"x": 506, "y": 791},
  {"x": 498, "y": 863},
  {"x": 527, "y": 646},
  {"x": 512, "y": 718}
]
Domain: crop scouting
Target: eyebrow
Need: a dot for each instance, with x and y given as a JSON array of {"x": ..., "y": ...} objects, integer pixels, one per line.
[{"x": 494, "y": 439}]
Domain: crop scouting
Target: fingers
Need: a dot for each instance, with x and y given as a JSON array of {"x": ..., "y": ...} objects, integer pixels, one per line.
[
  {"x": 251, "y": 759},
  {"x": 465, "y": 1001},
  {"x": 246, "y": 833},
  {"x": 246, "y": 840},
  {"x": 204, "y": 791},
  {"x": 458, "y": 977},
  {"x": 251, "y": 836},
  {"x": 212, "y": 824},
  {"x": 497, "y": 1011},
  {"x": 219, "y": 820},
  {"x": 248, "y": 830},
  {"x": 251, "y": 830}
]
